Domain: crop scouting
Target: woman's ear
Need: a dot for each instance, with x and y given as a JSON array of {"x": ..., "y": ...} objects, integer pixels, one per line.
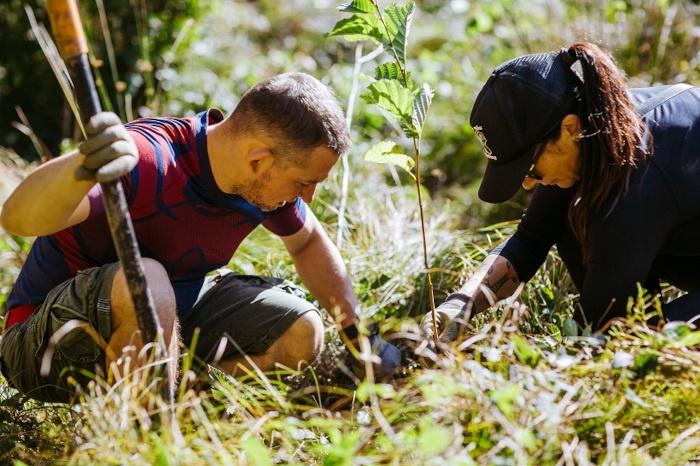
[{"x": 571, "y": 127}]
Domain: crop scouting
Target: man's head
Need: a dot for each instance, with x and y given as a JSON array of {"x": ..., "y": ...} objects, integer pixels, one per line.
[
  {"x": 282, "y": 139},
  {"x": 271, "y": 185},
  {"x": 293, "y": 113}
]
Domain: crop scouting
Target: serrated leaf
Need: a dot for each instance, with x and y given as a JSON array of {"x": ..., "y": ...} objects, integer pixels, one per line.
[
  {"x": 389, "y": 70},
  {"x": 421, "y": 104},
  {"x": 389, "y": 152},
  {"x": 391, "y": 96},
  {"x": 358, "y": 6},
  {"x": 358, "y": 27},
  {"x": 399, "y": 24}
]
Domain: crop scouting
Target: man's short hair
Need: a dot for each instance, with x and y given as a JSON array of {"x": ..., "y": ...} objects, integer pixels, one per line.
[{"x": 294, "y": 113}]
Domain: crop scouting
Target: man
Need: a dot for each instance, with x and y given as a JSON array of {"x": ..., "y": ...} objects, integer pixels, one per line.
[{"x": 195, "y": 187}]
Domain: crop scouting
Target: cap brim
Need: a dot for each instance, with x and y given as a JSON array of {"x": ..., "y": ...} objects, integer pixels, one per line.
[{"x": 502, "y": 181}]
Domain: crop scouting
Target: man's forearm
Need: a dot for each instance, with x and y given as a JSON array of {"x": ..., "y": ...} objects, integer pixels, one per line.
[
  {"x": 323, "y": 272},
  {"x": 48, "y": 200}
]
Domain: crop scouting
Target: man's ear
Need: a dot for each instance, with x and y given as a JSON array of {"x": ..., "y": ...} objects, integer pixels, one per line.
[{"x": 259, "y": 159}]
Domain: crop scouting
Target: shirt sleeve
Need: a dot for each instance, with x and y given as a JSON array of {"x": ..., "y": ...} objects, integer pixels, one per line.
[
  {"x": 287, "y": 220},
  {"x": 540, "y": 228}
]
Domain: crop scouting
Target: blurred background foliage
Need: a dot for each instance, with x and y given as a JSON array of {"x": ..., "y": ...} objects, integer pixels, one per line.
[{"x": 179, "y": 57}]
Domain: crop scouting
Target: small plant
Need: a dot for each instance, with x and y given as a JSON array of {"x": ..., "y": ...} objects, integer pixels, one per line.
[{"x": 393, "y": 91}]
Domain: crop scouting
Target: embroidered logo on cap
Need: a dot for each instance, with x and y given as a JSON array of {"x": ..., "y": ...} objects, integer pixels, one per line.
[{"x": 479, "y": 131}]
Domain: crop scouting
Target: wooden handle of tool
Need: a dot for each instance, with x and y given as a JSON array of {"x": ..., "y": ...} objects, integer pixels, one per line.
[{"x": 70, "y": 37}]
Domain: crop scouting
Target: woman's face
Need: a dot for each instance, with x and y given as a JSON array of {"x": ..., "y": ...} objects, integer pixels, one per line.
[{"x": 559, "y": 163}]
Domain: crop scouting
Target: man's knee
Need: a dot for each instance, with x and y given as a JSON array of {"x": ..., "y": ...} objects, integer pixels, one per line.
[
  {"x": 158, "y": 282},
  {"x": 302, "y": 343},
  {"x": 163, "y": 295}
]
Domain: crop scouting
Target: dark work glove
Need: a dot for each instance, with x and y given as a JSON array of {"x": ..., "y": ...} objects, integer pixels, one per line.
[
  {"x": 385, "y": 357},
  {"x": 109, "y": 150},
  {"x": 451, "y": 317}
]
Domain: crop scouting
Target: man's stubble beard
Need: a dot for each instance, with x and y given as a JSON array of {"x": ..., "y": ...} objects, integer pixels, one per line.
[{"x": 252, "y": 192}]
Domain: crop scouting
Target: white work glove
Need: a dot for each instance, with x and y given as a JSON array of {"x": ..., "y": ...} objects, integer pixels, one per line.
[
  {"x": 109, "y": 150},
  {"x": 451, "y": 318},
  {"x": 385, "y": 357}
]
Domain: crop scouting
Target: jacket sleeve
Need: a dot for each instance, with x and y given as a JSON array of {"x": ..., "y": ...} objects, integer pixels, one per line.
[{"x": 540, "y": 228}]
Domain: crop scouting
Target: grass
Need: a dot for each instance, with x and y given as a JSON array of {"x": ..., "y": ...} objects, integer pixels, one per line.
[
  {"x": 520, "y": 390},
  {"x": 517, "y": 391}
]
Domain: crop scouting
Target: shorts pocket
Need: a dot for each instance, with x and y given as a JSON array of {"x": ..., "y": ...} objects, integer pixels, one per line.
[{"x": 75, "y": 339}]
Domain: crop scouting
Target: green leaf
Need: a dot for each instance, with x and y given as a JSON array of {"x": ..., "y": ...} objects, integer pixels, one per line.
[
  {"x": 433, "y": 440},
  {"x": 506, "y": 397},
  {"x": 161, "y": 453},
  {"x": 526, "y": 354},
  {"x": 676, "y": 330},
  {"x": 358, "y": 27},
  {"x": 399, "y": 24},
  {"x": 480, "y": 23},
  {"x": 256, "y": 452},
  {"x": 421, "y": 104},
  {"x": 358, "y": 6},
  {"x": 690, "y": 339},
  {"x": 570, "y": 327},
  {"x": 645, "y": 364},
  {"x": 391, "y": 96},
  {"x": 389, "y": 152},
  {"x": 391, "y": 70}
]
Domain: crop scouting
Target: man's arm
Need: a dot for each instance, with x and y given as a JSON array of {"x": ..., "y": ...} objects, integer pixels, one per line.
[
  {"x": 49, "y": 199},
  {"x": 54, "y": 196},
  {"x": 321, "y": 268}
]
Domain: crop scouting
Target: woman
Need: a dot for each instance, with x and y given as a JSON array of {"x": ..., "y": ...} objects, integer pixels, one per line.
[{"x": 619, "y": 171}]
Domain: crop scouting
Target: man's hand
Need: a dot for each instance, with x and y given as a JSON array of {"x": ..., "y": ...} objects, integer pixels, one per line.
[
  {"x": 109, "y": 150},
  {"x": 451, "y": 318},
  {"x": 384, "y": 356}
]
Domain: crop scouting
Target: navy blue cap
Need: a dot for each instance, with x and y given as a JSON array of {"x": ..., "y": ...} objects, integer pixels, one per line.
[{"x": 522, "y": 101}]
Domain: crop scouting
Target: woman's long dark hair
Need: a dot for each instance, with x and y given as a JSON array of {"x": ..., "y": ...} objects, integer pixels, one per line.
[{"x": 612, "y": 138}]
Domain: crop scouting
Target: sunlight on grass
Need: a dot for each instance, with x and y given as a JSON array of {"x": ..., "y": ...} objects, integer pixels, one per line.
[
  {"x": 524, "y": 387},
  {"x": 517, "y": 390}
]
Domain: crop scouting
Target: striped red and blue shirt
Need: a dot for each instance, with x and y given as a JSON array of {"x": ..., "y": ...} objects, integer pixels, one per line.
[{"x": 181, "y": 218}]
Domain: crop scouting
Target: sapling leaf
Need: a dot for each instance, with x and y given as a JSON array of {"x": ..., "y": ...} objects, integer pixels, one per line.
[
  {"x": 389, "y": 152},
  {"x": 391, "y": 96},
  {"x": 421, "y": 104},
  {"x": 359, "y": 27},
  {"x": 399, "y": 24},
  {"x": 391, "y": 70},
  {"x": 358, "y": 6}
]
